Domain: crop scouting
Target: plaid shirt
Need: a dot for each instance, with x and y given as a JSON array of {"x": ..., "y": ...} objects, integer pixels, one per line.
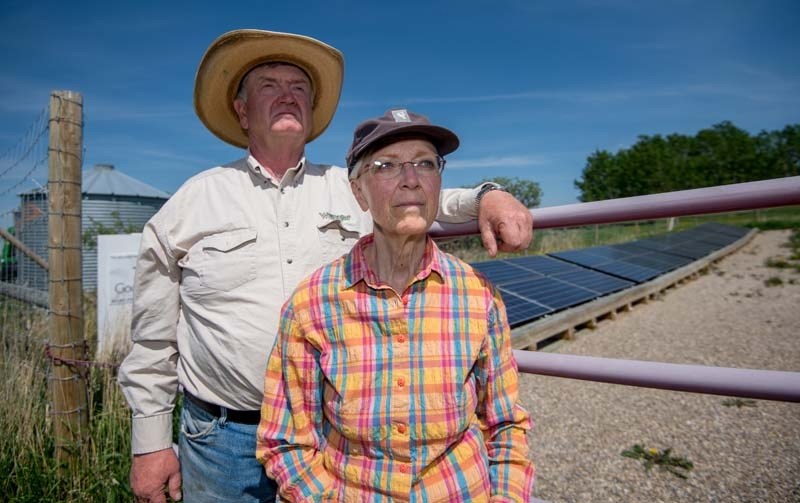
[{"x": 371, "y": 395}]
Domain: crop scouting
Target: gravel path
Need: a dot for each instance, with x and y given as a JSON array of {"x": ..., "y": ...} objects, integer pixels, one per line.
[{"x": 727, "y": 318}]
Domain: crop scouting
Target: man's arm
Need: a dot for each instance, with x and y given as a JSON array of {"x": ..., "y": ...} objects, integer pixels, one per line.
[
  {"x": 148, "y": 375},
  {"x": 505, "y": 224}
]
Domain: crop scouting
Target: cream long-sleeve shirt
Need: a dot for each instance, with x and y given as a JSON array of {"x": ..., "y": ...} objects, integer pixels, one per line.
[{"x": 215, "y": 265}]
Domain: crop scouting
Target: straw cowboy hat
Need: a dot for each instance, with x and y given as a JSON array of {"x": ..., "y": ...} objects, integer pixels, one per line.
[{"x": 235, "y": 53}]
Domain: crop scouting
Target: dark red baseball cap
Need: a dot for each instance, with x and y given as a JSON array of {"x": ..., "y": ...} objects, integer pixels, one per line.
[{"x": 395, "y": 124}]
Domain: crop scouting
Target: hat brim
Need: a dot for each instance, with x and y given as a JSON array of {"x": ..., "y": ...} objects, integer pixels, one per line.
[
  {"x": 442, "y": 138},
  {"x": 235, "y": 53}
]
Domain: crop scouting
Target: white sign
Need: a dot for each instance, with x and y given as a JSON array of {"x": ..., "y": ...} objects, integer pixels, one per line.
[{"x": 116, "y": 264}]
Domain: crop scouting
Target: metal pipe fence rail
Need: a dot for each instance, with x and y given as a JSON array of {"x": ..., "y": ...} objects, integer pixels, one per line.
[
  {"x": 747, "y": 383},
  {"x": 720, "y": 199}
]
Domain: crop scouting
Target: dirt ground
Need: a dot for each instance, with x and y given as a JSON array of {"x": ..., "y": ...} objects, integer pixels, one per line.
[{"x": 729, "y": 317}]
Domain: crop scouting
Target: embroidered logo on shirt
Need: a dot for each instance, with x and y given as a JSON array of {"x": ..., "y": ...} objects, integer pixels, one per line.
[{"x": 332, "y": 216}]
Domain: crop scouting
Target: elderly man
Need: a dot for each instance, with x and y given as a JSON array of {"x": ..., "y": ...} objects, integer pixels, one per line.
[
  {"x": 393, "y": 377},
  {"x": 219, "y": 259}
]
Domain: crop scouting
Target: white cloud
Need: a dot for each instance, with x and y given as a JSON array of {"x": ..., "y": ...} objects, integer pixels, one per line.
[{"x": 512, "y": 161}]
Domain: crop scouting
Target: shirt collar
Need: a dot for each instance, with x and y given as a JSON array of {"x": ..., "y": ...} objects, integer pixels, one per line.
[
  {"x": 359, "y": 269},
  {"x": 256, "y": 168}
]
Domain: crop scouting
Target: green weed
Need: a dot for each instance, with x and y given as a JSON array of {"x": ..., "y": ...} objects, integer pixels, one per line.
[
  {"x": 739, "y": 402},
  {"x": 773, "y": 281},
  {"x": 663, "y": 459},
  {"x": 777, "y": 263}
]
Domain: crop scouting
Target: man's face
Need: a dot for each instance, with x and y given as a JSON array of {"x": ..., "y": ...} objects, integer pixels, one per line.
[{"x": 278, "y": 103}]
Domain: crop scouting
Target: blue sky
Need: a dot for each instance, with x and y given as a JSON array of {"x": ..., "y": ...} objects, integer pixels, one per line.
[{"x": 532, "y": 88}]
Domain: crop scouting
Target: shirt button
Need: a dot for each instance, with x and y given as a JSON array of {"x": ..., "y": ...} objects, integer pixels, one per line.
[
  {"x": 401, "y": 428},
  {"x": 286, "y": 224},
  {"x": 288, "y": 261},
  {"x": 401, "y": 339},
  {"x": 283, "y": 191},
  {"x": 404, "y": 469},
  {"x": 401, "y": 382}
]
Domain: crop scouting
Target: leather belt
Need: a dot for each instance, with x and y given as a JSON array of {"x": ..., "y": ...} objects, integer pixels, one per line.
[{"x": 234, "y": 416}]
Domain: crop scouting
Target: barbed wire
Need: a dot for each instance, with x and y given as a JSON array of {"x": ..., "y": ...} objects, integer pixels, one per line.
[{"x": 74, "y": 362}]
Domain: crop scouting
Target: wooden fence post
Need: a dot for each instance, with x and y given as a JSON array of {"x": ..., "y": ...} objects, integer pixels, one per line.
[{"x": 68, "y": 388}]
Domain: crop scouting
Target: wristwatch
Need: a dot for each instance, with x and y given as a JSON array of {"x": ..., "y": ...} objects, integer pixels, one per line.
[{"x": 488, "y": 187}]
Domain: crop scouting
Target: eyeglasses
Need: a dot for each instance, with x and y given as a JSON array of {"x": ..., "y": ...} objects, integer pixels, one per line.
[{"x": 392, "y": 169}]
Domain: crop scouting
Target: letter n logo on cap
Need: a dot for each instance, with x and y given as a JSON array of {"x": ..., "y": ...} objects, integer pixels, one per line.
[{"x": 401, "y": 115}]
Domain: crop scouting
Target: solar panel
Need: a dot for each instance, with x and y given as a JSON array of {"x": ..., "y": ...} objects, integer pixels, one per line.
[
  {"x": 629, "y": 271},
  {"x": 730, "y": 230},
  {"x": 581, "y": 257},
  {"x": 688, "y": 248},
  {"x": 711, "y": 237},
  {"x": 536, "y": 285},
  {"x": 608, "y": 252},
  {"x": 662, "y": 262},
  {"x": 520, "y": 311},
  {"x": 550, "y": 292},
  {"x": 633, "y": 248},
  {"x": 500, "y": 272},
  {"x": 600, "y": 283},
  {"x": 544, "y": 265}
]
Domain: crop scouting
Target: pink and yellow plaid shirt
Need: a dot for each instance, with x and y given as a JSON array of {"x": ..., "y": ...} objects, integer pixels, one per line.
[{"x": 370, "y": 394}]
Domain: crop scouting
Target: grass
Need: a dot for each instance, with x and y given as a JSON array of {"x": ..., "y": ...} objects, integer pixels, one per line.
[
  {"x": 663, "y": 459},
  {"x": 773, "y": 281},
  {"x": 739, "y": 402},
  {"x": 777, "y": 263},
  {"x": 27, "y": 452}
]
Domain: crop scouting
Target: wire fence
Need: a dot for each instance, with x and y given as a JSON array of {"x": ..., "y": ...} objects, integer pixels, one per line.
[
  {"x": 40, "y": 189},
  {"x": 23, "y": 210}
]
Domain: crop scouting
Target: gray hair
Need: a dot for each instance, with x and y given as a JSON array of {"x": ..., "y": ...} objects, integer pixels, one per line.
[
  {"x": 241, "y": 93},
  {"x": 360, "y": 162}
]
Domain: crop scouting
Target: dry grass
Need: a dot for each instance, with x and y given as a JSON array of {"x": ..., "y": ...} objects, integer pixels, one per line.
[{"x": 27, "y": 461}]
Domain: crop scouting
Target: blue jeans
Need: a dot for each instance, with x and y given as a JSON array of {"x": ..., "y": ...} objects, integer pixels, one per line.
[{"x": 218, "y": 460}]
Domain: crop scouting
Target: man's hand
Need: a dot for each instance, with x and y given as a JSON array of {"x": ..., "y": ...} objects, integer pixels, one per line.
[
  {"x": 504, "y": 223},
  {"x": 153, "y": 474}
]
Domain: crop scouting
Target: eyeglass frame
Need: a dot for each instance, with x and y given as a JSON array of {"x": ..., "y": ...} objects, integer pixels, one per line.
[{"x": 374, "y": 167}]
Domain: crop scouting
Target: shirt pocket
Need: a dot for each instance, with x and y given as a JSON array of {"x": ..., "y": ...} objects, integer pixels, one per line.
[
  {"x": 336, "y": 237},
  {"x": 227, "y": 260}
]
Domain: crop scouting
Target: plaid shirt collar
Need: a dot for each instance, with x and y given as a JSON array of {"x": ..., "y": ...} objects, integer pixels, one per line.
[{"x": 358, "y": 269}]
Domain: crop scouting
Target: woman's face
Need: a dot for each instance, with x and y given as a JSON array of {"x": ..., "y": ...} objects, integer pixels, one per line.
[{"x": 404, "y": 202}]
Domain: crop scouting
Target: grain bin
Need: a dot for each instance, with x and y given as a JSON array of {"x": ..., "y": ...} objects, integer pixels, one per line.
[{"x": 110, "y": 200}]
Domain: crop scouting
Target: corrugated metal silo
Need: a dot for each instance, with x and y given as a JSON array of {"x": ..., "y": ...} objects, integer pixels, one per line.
[
  {"x": 30, "y": 224},
  {"x": 112, "y": 199},
  {"x": 109, "y": 199}
]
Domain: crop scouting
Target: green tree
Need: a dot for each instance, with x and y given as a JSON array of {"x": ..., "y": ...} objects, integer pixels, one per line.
[
  {"x": 719, "y": 155},
  {"x": 600, "y": 177},
  {"x": 527, "y": 192},
  {"x": 89, "y": 236}
]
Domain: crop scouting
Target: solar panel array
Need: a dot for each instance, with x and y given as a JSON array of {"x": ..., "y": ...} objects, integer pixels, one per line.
[{"x": 535, "y": 286}]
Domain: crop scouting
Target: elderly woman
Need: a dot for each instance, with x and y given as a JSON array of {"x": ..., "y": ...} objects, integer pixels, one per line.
[{"x": 393, "y": 374}]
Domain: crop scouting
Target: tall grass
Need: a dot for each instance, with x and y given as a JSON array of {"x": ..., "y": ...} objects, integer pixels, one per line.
[{"x": 27, "y": 462}]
